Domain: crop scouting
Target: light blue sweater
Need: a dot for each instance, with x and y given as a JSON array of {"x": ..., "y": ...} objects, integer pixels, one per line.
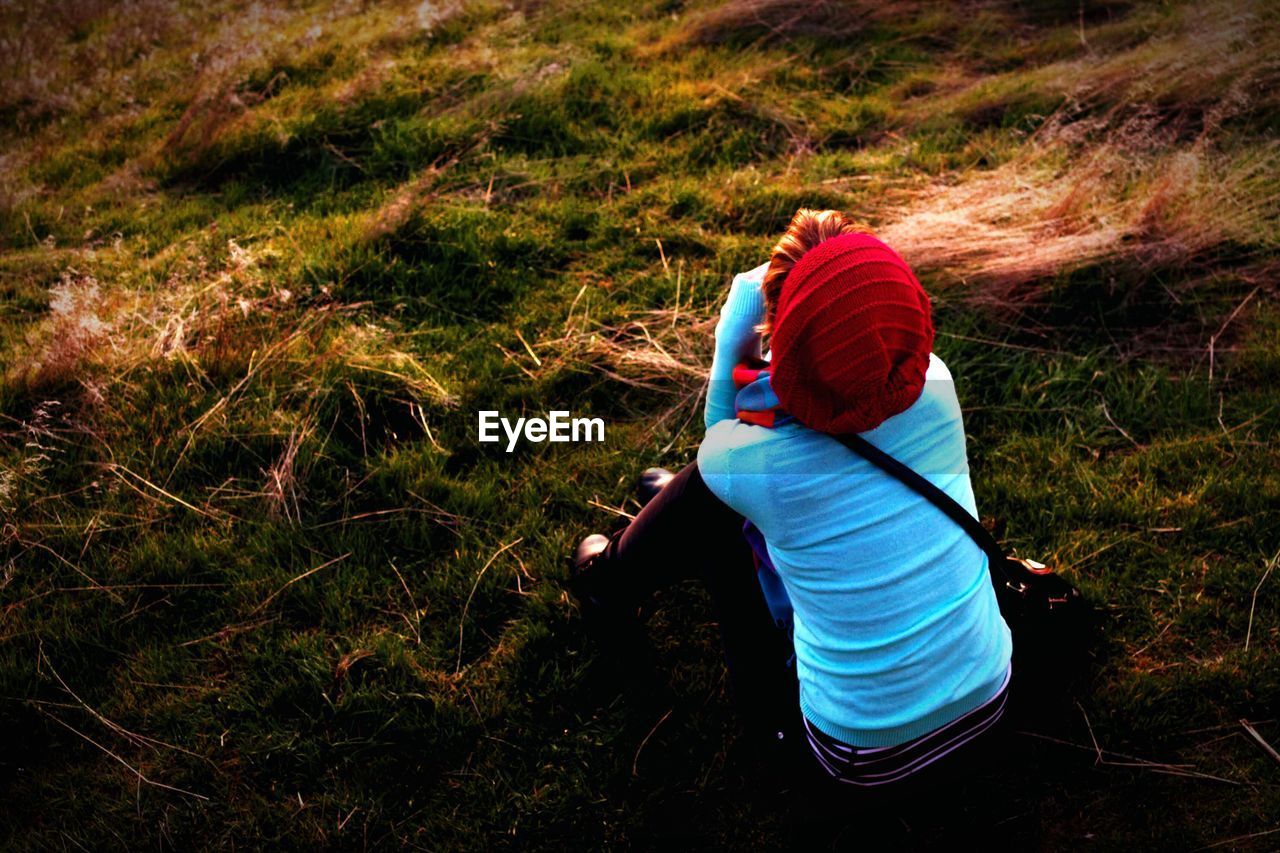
[{"x": 897, "y": 630}]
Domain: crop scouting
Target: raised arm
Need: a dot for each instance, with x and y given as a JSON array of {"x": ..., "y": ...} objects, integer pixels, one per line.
[{"x": 736, "y": 338}]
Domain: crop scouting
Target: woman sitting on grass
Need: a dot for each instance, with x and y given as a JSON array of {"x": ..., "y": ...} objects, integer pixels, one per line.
[{"x": 901, "y": 657}]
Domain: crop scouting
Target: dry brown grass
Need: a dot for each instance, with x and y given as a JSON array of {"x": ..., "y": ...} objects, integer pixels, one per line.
[
  {"x": 282, "y": 489},
  {"x": 214, "y": 323},
  {"x": 1217, "y": 65},
  {"x": 63, "y": 58},
  {"x": 666, "y": 351},
  {"x": 74, "y": 329},
  {"x": 56, "y": 53},
  {"x": 1031, "y": 220},
  {"x": 778, "y": 20},
  {"x": 240, "y": 44},
  {"x": 655, "y": 349},
  {"x": 1138, "y": 164}
]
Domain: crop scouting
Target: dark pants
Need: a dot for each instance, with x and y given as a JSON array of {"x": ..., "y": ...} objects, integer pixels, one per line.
[{"x": 687, "y": 532}]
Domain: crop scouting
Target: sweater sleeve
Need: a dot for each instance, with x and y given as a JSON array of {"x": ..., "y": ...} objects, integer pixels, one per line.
[{"x": 736, "y": 338}]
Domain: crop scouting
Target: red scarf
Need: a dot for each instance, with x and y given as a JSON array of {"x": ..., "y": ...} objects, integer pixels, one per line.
[{"x": 756, "y": 403}]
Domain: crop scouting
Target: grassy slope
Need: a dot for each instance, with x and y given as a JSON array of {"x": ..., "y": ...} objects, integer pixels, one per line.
[{"x": 261, "y": 265}]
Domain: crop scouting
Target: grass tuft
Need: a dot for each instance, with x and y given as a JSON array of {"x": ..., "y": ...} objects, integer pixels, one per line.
[{"x": 260, "y": 265}]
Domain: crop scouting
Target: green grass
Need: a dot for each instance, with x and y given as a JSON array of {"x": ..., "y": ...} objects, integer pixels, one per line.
[{"x": 259, "y": 270}]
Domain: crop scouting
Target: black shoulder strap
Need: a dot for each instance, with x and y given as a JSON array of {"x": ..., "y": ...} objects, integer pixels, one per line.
[{"x": 939, "y": 498}]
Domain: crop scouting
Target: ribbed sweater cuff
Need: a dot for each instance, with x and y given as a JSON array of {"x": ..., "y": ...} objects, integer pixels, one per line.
[{"x": 745, "y": 301}]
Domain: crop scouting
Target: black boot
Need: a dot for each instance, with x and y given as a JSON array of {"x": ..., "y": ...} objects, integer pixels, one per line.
[
  {"x": 618, "y": 626},
  {"x": 650, "y": 483},
  {"x": 580, "y": 573}
]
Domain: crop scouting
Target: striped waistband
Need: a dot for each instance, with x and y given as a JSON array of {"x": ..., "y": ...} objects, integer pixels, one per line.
[{"x": 880, "y": 765}]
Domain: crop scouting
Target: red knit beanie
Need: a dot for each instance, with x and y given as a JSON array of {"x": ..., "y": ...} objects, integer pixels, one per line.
[{"x": 852, "y": 335}]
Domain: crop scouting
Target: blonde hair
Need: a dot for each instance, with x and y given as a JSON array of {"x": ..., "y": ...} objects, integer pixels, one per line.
[{"x": 808, "y": 228}]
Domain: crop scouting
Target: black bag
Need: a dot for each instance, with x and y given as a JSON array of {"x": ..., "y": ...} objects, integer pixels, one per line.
[{"x": 1051, "y": 621}]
